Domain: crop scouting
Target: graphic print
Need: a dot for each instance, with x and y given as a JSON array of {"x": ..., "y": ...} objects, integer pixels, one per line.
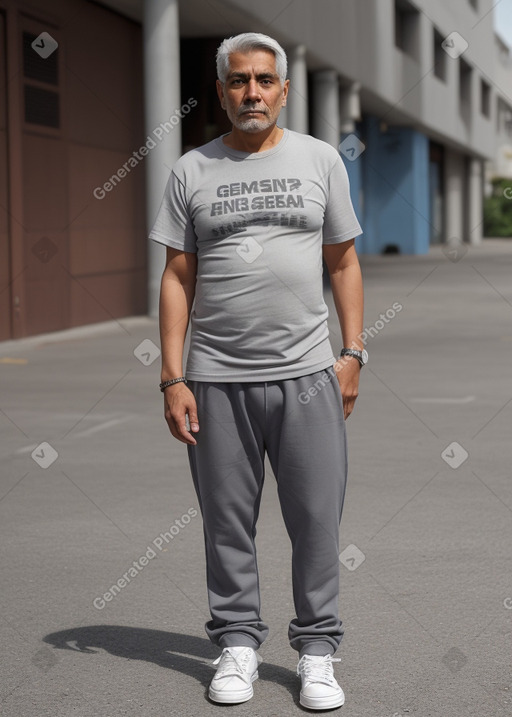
[{"x": 251, "y": 203}]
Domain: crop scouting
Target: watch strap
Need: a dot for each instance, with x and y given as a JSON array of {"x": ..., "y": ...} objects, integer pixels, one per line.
[{"x": 352, "y": 352}]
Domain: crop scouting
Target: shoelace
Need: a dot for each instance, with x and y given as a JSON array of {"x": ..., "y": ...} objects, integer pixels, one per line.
[
  {"x": 231, "y": 664},
  {"x": 316, "y": 670}
]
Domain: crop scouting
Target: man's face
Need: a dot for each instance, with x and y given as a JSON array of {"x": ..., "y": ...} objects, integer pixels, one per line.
[{"x": 252, "y": 94}]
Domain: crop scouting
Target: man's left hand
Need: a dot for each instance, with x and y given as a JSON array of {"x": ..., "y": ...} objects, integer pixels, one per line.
[{"x": 347, "y": 371}]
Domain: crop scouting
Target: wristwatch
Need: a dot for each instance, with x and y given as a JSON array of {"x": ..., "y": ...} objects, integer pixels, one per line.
[{"x": 361, "y": 356}]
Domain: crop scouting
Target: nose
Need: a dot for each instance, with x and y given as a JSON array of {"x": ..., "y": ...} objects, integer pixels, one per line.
[{"x": 253, "y": 91}]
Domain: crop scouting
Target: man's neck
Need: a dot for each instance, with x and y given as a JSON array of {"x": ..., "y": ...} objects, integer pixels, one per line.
[{"x": 253, "y": 141}]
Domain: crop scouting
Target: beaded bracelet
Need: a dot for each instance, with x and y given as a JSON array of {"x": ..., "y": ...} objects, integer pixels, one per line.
[{"x": 165, "y": 384}]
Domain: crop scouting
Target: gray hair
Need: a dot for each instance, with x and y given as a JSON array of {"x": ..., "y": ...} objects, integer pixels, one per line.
[{"x": 246, "y": 42}]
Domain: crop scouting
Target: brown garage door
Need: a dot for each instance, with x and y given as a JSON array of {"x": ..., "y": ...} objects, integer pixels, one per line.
[{"x": 5, "y": 260}]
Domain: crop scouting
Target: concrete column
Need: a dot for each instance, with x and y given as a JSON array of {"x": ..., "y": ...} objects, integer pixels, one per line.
[
  {"x": 378, "y": 53},
  {"x": 326, "y": 107},
  {"x": 350, "y": 107},
  {"x": 162, "y": 100},
  {"x": 283, "y": 117},
  {"x": 425, "y": 45},
  {"x": 454, "y": 192},
  {"x": 451, "y": 96},
  {"x": 297, "y": 115},
  {"x": 475, "y": 202}
]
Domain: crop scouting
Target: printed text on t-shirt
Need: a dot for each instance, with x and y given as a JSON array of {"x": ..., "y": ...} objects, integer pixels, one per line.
[{"x": 277, "y": 194}]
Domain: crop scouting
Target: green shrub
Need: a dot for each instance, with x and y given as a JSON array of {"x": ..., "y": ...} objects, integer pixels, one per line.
[{"x": 498, "y": 209}]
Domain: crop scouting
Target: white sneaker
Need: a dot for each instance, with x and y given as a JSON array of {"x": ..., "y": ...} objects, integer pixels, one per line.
[
  {"x": 320, "y": 691},
  {"x": 237, "y": 669}
]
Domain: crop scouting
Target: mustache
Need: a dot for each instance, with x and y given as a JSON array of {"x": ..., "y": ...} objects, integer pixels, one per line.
[{"x": 246, "y": 110}]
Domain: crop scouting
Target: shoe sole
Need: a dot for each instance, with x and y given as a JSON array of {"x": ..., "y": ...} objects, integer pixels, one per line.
[
  {"x": 321, "y": 703},
  {"x": 234, "y": 697}
]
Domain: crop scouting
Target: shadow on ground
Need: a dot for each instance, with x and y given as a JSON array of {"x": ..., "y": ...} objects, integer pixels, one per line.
[{"x": 170, "y": 650}]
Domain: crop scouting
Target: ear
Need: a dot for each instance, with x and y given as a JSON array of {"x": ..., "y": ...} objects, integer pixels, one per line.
[
  {"x": 220, "y": 94},
  {"x": 286, "y": 87}
]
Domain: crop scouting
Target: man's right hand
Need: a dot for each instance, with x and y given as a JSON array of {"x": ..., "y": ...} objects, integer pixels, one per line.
[{"x": 179, "y": 402}]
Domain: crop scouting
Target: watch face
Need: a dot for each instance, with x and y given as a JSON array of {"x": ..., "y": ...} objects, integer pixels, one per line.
[{"x": 364, "y": 356}]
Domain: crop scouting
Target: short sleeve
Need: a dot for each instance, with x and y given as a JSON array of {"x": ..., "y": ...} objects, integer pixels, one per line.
[
  {"x": 340, "y": 221},
  {"x": 173, "y": 225}
]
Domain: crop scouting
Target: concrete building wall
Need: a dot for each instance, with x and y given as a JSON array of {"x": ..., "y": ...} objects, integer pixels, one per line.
[
  {"x": 357, "y": 39},
  {"x": 414, "y": 123},
  {"x": 502, "y": 109},
  {"x": 392, "y": 50}
]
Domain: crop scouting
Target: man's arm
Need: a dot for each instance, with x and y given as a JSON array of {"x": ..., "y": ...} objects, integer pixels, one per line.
[
  {"x": 347, "y": 288},
  {"x": 176, "y": 298}
]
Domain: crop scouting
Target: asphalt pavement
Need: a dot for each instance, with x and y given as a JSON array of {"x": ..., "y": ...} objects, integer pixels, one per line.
[{"x": 102, "y": 565}]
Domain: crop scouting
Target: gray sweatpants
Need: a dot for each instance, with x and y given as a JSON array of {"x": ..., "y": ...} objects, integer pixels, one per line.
[{"x": 299, "y": 423}]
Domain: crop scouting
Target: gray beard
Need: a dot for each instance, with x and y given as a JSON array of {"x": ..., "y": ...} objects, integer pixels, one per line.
[{"x": 253, "y": 124}]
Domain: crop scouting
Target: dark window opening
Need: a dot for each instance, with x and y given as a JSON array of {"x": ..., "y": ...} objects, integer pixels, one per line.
[
  {"x": 465, "y": 73},
  {"x": 37, "y": 68},
  {"x": 41, "y": 107},
  {"x": 407, "y": 28},
  {"x": 440, "y": 56},
  {"x": 41, "y": 80},
  {"x": 485, "y": 98}
]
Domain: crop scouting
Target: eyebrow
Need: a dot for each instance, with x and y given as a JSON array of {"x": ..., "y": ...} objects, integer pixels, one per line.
[{"x": 246, "y": 76}]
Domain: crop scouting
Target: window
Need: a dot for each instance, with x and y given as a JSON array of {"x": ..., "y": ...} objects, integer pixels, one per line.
[
  {"x": 37, "y": 68},
  {"x": 504, "y": 117},
  {"x": 41, "y": 107},
  {"x": 439, "y": 56},
  {"x": 485, "y": 98},
  {"x": 407, "y": 28},
  {"x": 504, "y": 53},
  {"x": 41, "y": 85},
  {"x": 464, "y": 83}
]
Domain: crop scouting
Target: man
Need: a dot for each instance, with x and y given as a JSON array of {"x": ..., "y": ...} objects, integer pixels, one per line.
[{"x": 246, "y": 219}]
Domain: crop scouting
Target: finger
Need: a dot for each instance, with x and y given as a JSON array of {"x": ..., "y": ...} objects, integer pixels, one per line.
[
  {"x": 348, "y": 405},
  {"x": 182, "y": 430},
  {"x": 192, "y": 418},
  {"x": 178, "y": 429},
  {"x": 172, "y": 427}
]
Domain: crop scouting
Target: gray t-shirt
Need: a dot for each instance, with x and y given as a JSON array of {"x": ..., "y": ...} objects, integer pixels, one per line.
[{"x": 257, "y": 222}]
